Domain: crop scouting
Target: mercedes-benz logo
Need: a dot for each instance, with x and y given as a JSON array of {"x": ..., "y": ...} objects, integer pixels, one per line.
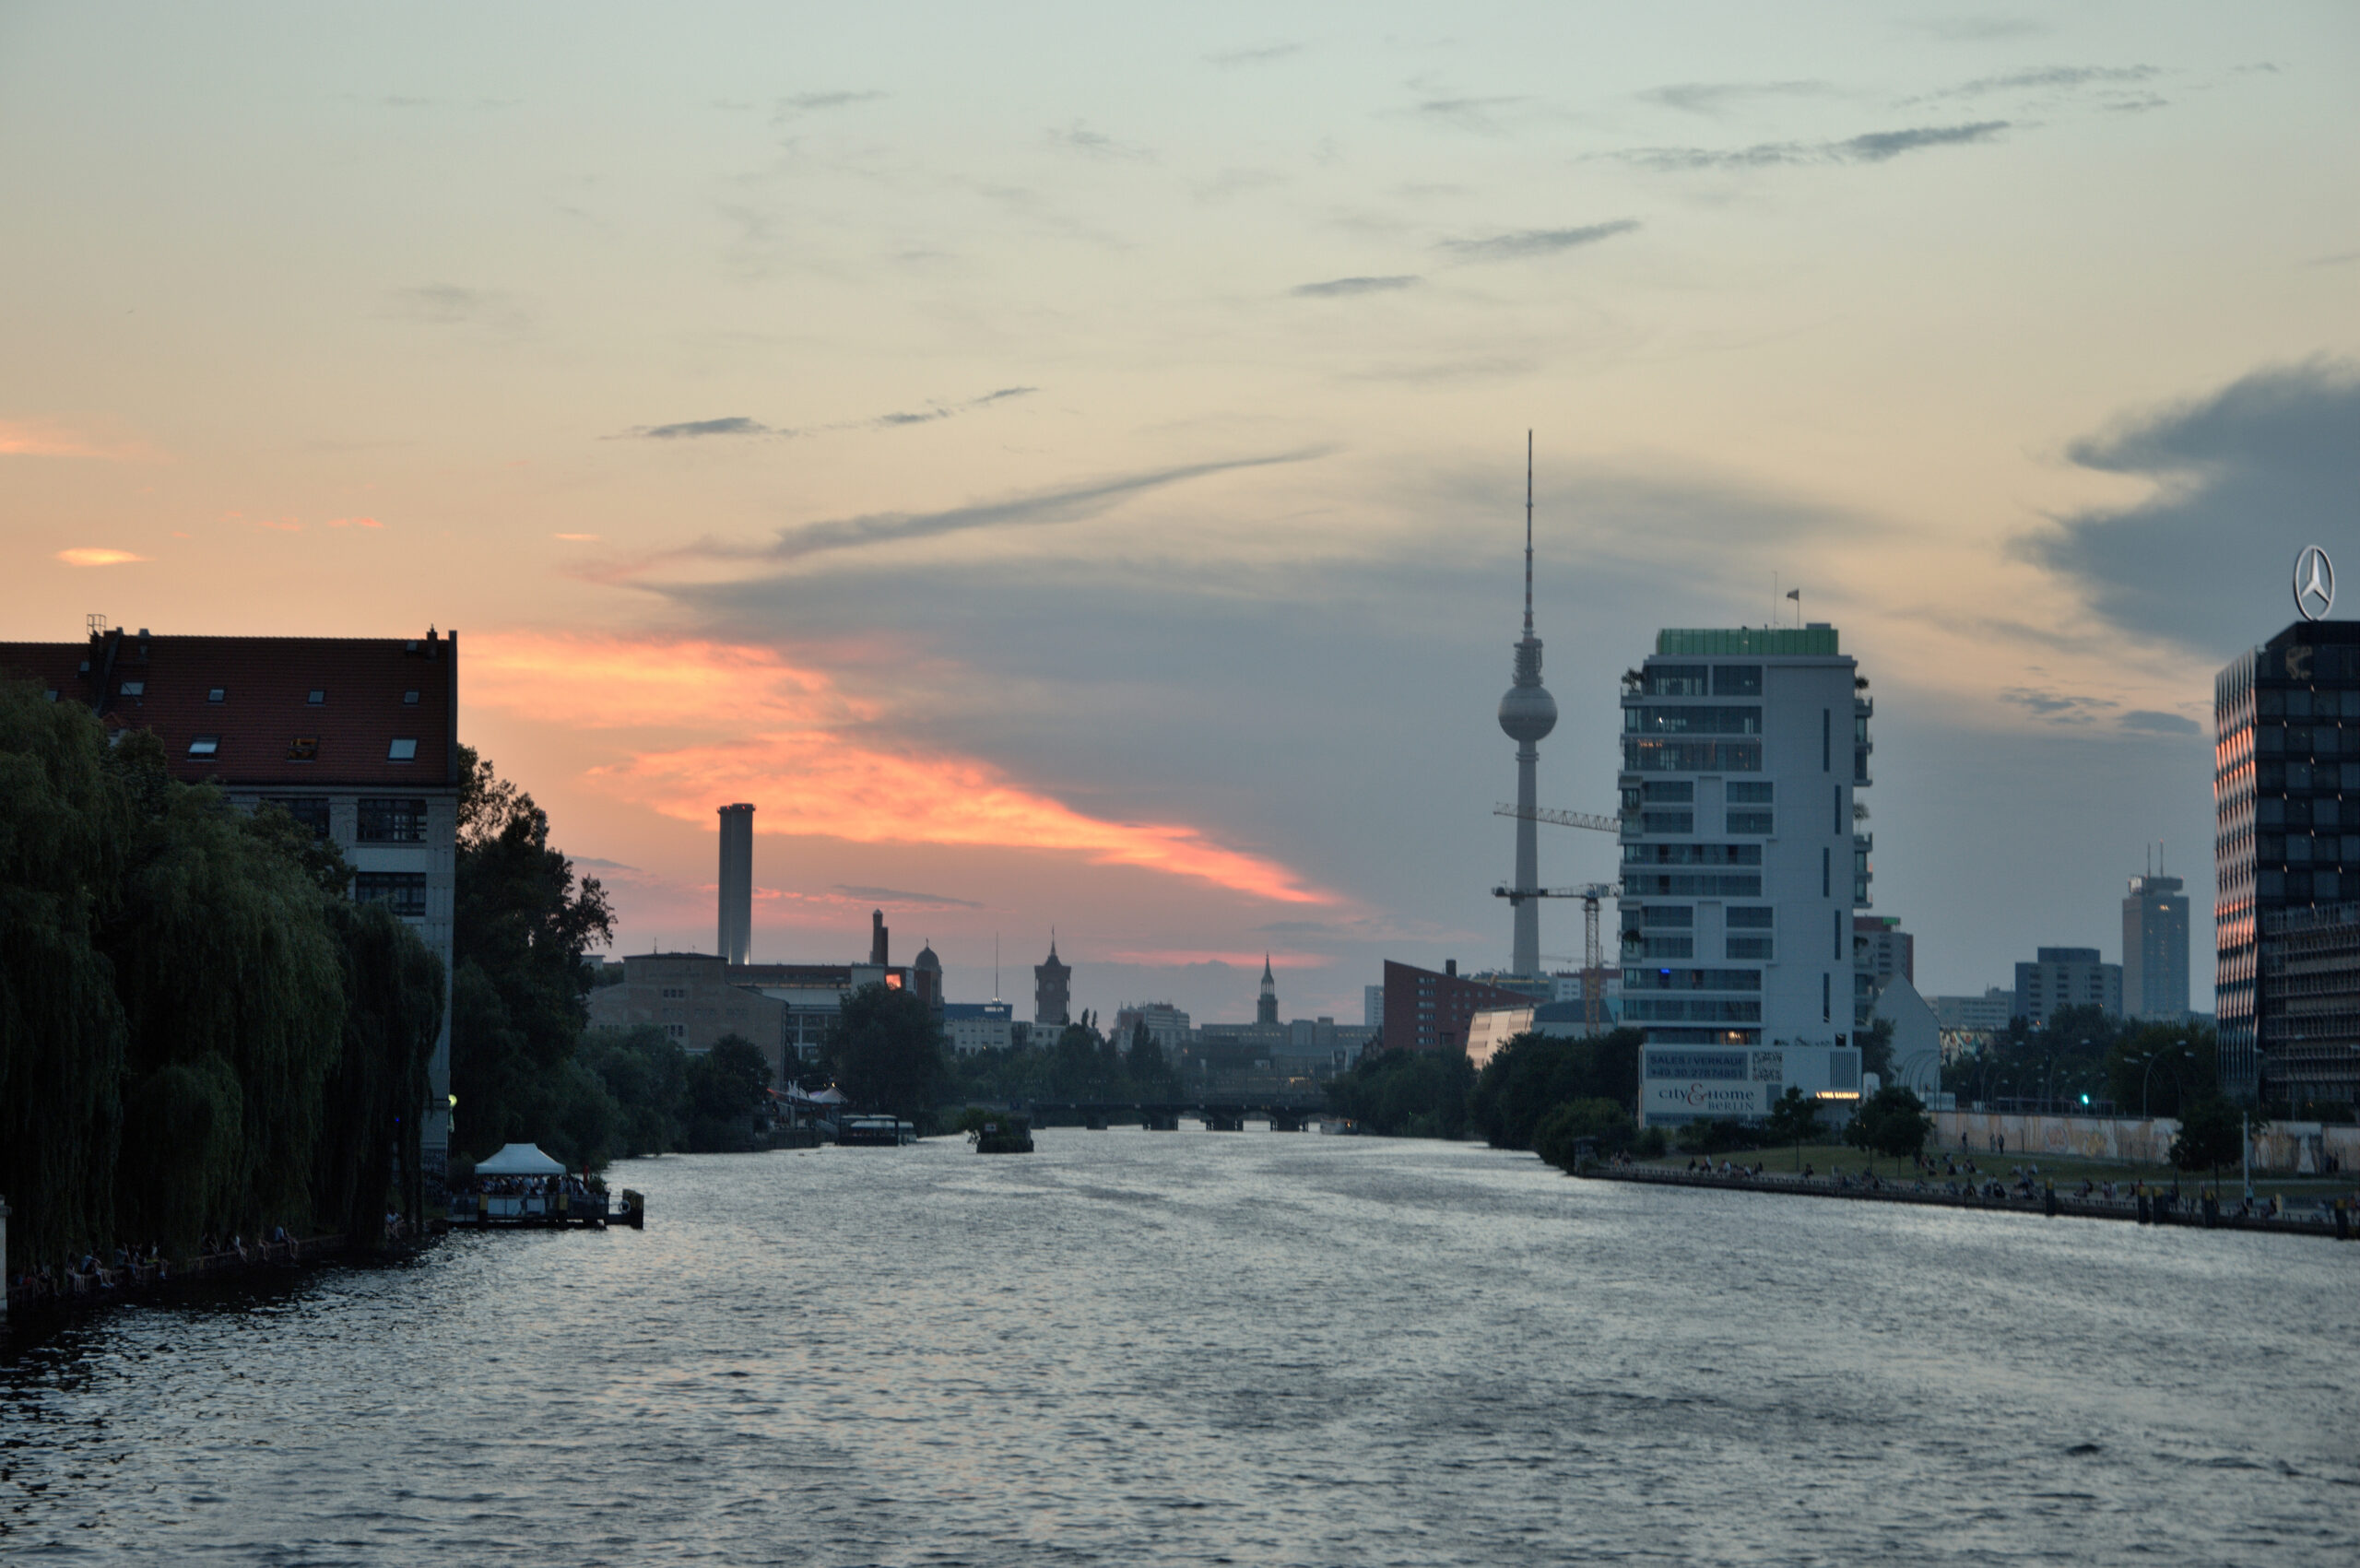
[{"x": 2314, "y": 584}]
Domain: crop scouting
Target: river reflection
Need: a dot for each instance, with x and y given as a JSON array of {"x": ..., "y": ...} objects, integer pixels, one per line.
[{"x": 1203, "y": 1348}]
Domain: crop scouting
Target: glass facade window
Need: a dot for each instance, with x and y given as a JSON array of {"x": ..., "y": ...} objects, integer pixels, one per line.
[
  {"x": 1760, "y": 919},
  {"x": 1670, "y": 915},
  {"x": 1749, "y": 948},
  {"x": 1692, "y": 980},
  {"x": 393, "y": 821},
  {"x": 1737, "y": 680},
  {"x": 1749, "y": 822},
  {"x": 1691, "y": 855},
  {"x": 1692, "y": 756},
  {"x": 1692, "y": 720},
  {"x": 1744, "y": 793},
  {"x": 1666, "y": 821},
  {"x": 1692, "y": 885},
  {"x": 1667, "y": 792},
  {"x": 1673, "y": 680},
  {"x": 404, "y": 890},
  {"x": 312, "y": 810}
]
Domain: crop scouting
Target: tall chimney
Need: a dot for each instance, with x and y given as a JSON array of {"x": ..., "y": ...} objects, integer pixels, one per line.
[
  {"x": 879, "y": 952},
  {"x": 737, "y": 883}
]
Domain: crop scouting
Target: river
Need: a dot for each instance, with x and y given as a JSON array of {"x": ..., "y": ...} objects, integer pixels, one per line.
[{"x": 1183, "y": 1348}]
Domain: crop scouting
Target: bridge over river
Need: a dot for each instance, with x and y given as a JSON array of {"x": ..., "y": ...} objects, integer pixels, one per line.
[{"x": 1288, "y": 1105}]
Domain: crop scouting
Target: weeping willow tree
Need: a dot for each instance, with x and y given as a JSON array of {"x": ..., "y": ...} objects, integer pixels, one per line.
[
  {"x": 62, "y": 822},
  {"x": 232, "y": 989},
  {"x": 197, "y": 1031},
  {"x": 375, "y": 1101}
]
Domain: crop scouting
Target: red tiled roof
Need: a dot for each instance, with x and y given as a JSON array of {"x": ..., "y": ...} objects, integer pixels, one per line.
[{"x": 265, "y": 713}]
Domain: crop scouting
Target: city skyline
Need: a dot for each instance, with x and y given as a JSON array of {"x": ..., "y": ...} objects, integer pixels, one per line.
[{"x": 1057, "y": 496}]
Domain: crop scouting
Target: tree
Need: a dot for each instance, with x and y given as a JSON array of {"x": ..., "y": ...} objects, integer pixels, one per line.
[
  {"x": 1876, "y": 1048},
  {"x": 1532, "y": 1074},
  {"x": 2211, "y": 1133},
  {"x": 520, "y": 929},
  {"x": 1794, "y": 1120},
  {"x": 1407, "y": 1093},
  {"x": 886, "y": 1051},
  {"x": 726, "y": 1085},
  {"x": 1145, "y": 1064},
  {"x": 1892, "y": 1121},
  {"x": 645, "y": 1071},
  {"x": 1604, "y": 1123}
]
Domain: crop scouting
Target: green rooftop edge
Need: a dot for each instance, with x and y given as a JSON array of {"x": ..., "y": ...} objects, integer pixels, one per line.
[{"x": 1768, "y": 641}]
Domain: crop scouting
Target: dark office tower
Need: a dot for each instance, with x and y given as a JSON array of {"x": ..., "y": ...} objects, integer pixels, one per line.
[
  {"x": 2155, "y": 949},
  {"x": 879, "y": 950},
  {"x": 2286, "y": 838},
  {"x": 1052, "y": 999},
  {"x": 737, "y": 883}
]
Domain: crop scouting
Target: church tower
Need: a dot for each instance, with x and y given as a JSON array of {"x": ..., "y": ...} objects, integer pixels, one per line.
[
  {"x": 1266, "y": 1010},
  {"x": 1052, "y": 999}
]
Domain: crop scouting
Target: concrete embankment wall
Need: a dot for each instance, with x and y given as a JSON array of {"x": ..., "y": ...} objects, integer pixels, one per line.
[{"x": 2279, "y": 1146}]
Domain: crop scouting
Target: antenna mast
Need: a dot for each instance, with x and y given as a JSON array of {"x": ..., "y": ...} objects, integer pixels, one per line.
[{"x": 1528, "y": 532}]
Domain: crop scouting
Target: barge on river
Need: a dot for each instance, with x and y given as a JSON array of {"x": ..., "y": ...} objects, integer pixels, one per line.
[{"x": 522, "y": 1186}]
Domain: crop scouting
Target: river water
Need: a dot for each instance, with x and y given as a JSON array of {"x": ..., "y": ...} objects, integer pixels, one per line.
[{"x": 1183, "y": 1348}]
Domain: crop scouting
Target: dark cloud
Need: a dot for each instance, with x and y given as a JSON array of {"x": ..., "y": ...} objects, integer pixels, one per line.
[
  {"x": 2243, "y": 479},
  {"x": 1875, "y": 147},
  {"x": 1073, "y": 504},
  {"x": 1078, "y": 137},
  {"x": 689, "y": 429},
  {"x": 739, "y": 425},
  {"x": 2160, "y": 723},
  {"x": 1466, "y": 113},
  {"x": 803, "y": 103},
  {"x": 894, "y": 895},
  {"x": 1711, "y": 98},
  {"x": 2056, "y": 76},
  {"x": 2056, "y": 705},
  {"x": 1336, "y": 287},
  {"x": 1530, "y": 242},
  {"x": 1228, "y": 58}
]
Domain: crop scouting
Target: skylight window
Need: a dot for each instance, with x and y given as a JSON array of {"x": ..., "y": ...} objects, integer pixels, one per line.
[
  {"x": 217, "y": 694},
  {"x": 403, "y": 749},
  {"x": 134, "y": 689},
  {"x": 303, "y": 748},
  {"x": 317, "y": 698},
  {"x": 205, "y": 746}
]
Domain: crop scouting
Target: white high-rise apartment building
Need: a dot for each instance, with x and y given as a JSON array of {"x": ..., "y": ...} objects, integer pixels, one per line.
[{"x": 1741, "y": 749}]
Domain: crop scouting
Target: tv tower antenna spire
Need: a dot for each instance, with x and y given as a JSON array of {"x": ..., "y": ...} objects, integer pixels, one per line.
[{"x": 1528, "y": 713}]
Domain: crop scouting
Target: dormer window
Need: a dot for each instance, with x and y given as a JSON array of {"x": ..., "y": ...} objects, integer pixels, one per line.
[
  {"x": 303, "y": 748},
  {"x": 134, "y": 689},
  {"x": 317, "y": 698},
  {"x": 403, "y": 749},
  {"x": 217, "y": 694},
  {"x": 205, "y": 746}
]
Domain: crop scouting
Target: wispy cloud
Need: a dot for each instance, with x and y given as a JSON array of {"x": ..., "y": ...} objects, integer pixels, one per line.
[
  {"x": 1976, "y": 29},
  {"x": 92, "y": 555},
  {"x": 796, "y": 105},
  {"x": 691, "y": 429},
  {"x": 354, "y": 523},
  {"x": 2153, "y": 723},
  {"x": 1875, "y": 147},
  {"x": 35, "y": 438},
  {"x": 1228, "y": 59},
  {"x": 907, "y": 901},
  {"x": 2058, "y": 706},
  {"x": 1528, "y": 243},
  {"x": 1336, "y": 288},
  {"x": 1464, "y": 114},
  {"x": 578, "y": 539},
  {"x": 1711, "y": 97},
  {"x": 2054, "y": 77},
  {"x": 1078, "y": 137}
]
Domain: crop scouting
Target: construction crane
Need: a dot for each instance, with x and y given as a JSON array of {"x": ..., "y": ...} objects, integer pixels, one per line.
[
  {"x": 1564, "y": 819},
  {"x": 1593, "y": 947}
]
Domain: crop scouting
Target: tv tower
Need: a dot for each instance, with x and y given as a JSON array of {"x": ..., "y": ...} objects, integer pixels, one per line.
[{"x": 1528, "y": 713}]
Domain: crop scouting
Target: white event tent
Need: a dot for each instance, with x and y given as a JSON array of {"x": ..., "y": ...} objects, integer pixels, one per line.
[{"x": 520, "y": 1160}]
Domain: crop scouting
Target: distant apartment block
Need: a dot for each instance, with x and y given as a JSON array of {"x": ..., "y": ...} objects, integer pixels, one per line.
[
  {"x": 2059, "y": 978},
  {"x": 1987, "y": 1014},
  {"x": 1426, "y": 1011}
]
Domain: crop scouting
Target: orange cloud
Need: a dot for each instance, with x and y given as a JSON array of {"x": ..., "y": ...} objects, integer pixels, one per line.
[
  {"x": 22, "y": 438},
  {"x": 578, "y": 539},
  {"x": 288, "y": 526},
  {"x": 87, "y": 556},
  {"x": 784, "y": 738},
  {"x": 354, "y": 523}
]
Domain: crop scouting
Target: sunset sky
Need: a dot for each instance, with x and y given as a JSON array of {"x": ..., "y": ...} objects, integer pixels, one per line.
[{"x": 1064, "y": 464}]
